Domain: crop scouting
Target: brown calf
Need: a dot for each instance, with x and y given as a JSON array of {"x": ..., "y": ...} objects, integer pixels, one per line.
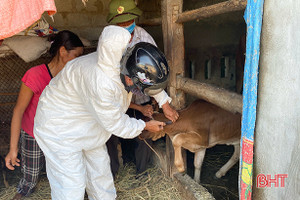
[{"x": 200, "y": 126}]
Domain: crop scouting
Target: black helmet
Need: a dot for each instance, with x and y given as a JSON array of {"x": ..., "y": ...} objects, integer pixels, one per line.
[{"x": 147, "y": 66}]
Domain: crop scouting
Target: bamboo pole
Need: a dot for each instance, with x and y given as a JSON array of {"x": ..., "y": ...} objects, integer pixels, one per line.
[
  {"x": 212, "y": 10},
  {"x": 7, "y": 104},
  {"x": 225, "y": 99}
]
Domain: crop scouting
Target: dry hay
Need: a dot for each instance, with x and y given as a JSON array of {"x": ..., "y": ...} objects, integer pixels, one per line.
[
  {"x": 42, "y": 191},
  {"x": 152, "y": 184}
]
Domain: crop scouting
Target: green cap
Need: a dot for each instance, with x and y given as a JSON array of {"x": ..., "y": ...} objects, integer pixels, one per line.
[{"x": 122, "y": 11}]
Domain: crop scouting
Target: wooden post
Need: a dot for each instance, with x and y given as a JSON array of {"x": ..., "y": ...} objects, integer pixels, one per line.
[
  {"x": 174, "y": 51},
  {"x": 173, "y": 47},
  {"x": 212, "y": 10}
]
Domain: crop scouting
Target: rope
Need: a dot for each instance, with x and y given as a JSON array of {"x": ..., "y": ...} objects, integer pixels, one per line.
[
  {"x": 159, "y": 157},
  {"x": 148, "y": 143}
]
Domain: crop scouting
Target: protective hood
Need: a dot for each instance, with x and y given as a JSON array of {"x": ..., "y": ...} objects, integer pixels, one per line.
[{"x": 111, "y": 47}]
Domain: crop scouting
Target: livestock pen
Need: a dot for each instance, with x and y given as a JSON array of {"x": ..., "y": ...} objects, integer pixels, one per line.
[
  {"x": 199, "y": 39},
  {"x": 153, "y": 184}
]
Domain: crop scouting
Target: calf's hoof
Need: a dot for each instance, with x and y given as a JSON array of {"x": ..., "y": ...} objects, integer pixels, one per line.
[{"x": 180, "y": 167}]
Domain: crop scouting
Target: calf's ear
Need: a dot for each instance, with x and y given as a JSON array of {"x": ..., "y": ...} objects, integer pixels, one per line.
[
  {"x": 144, "y": 135},
  {"x": 157, "y": 136},
  {"x": 154, "y": 136}
]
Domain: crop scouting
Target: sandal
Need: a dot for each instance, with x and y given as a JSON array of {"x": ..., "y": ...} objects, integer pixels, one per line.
[{"x": 18, "y": 196}]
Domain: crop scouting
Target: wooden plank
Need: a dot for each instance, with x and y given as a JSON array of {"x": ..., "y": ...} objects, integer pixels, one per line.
[
  {"x": 225, "y": 99},
  {"x": 189, "y": 189},
  {"x": 149, "y": 22},
  {"x": 212, "y": 10}
]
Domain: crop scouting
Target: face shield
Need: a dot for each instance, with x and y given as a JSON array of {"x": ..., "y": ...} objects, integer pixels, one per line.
[
  {"x": 146, "y": 65},
  {"x": 126, "y": 54}
]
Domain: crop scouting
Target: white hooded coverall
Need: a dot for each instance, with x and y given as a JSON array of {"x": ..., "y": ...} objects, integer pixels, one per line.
[{"x": 77, "y": 113}]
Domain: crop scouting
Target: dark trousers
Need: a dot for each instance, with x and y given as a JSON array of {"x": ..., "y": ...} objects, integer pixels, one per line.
[
  {"x": 142, "y": 155},
  {"x": 141, "y": 151},
  {"x": 32, "y": 162},
  {"x": 111, "y": 145}
]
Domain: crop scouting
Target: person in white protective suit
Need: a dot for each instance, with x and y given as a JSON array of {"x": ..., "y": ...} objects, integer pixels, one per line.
[
  {"x": 78, "y": 112},
  {"x": 124, "y": 13}
]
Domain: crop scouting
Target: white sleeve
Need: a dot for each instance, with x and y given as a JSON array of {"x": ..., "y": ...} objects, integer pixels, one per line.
[
  {"x": 148, "y": 38},
  {"x": 109, "y": 113},
  {"x": 145, "y": 36},
  {"x": 162, "y": 98}
]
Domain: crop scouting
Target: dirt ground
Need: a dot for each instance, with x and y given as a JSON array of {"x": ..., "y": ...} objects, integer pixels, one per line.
[{"x": 225, "y": 188}]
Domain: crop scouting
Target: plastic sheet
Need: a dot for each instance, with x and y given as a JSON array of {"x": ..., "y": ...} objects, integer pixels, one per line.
[{"x": 253, "y": 18}]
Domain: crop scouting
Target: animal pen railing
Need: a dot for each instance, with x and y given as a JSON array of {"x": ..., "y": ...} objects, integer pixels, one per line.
[
  {"x": 172, "y": 19},
  {"x": 12, "y": 69}
]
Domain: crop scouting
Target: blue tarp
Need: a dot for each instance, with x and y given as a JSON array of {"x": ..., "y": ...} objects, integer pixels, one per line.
[{"x": 253, "y": 18}]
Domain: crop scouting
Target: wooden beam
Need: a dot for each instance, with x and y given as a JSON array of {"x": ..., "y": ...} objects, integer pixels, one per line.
[
  {"x": 149, "y": 22},
  {"x": 212, "y": 10},
  {"x": 189, "y": 189},
  {"x": 225, "y": 99}
]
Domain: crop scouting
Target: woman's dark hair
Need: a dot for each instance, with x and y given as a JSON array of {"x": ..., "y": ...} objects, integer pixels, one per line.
[{"x": 64, "y": 38}]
